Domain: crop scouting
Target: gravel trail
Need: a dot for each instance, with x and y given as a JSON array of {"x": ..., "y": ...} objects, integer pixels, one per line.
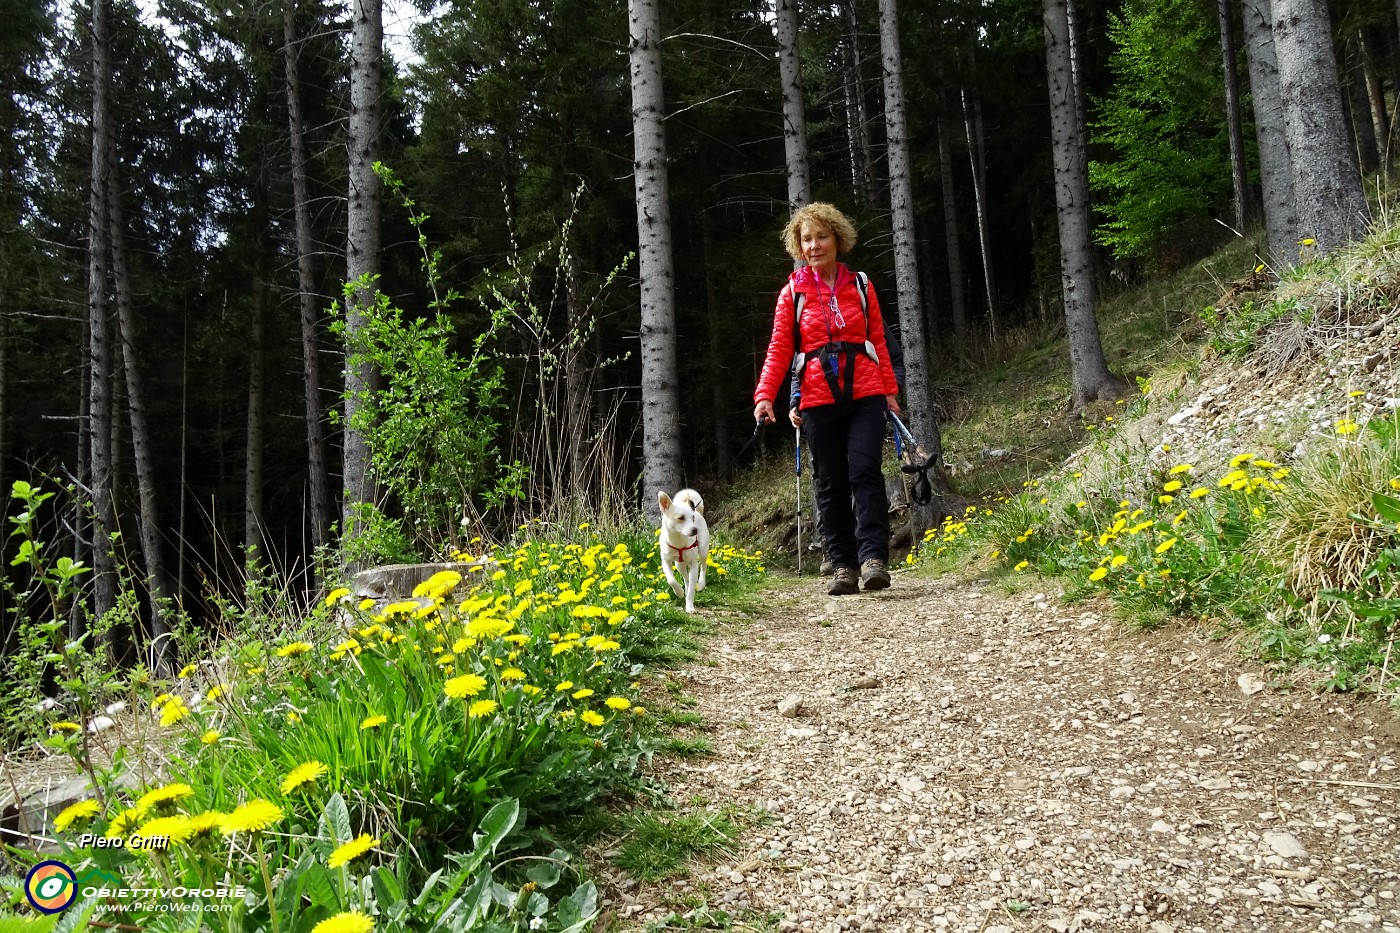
[{"x": 960, "y": 759}]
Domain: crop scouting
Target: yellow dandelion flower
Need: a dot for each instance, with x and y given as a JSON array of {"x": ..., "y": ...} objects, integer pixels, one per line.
[
  {"x": 482, "y": 708},
  {"x": 512, "y": 673},
  {"x": 210, "y": 737},
  {"x": 1118, "y": 561},
  {"x": 82, "y": 811},
  {"x": 582, "y": 694},
  {"x": 305, "y": 773},
  {"x": 1099, "y": 574},
  {"x": 175, "y": 828},
  {"x": 170, "y": 793},
  {"x": 1172, "y": 486},
  {"x": 1199, "y": 492},
  {"x": 618, "y": 703},
  {"x": 252, "y": 817},
  {"x": 123, "y": 823},
  {"x": 173, "y": 711},
  {"x": 1022, "y": 566},
  {"x": 591, "y": 718},
  {"x": 1347, "y": 426},
  {"x": 352, "y": 850},
  {"x": 565, "y": 685},
  {"x": 467, "y": 685},
  {"x": 1166, "y": 546},
  {"x": 187, "y": 670},
  {"x": 370, "y": 722},
  {"x": 204, "y": 823},
  {"x": 294, "y": 649},
  {"x": 336, "y": 595},
  {"x": 74, "y": 727},
  {"x": 350, "y": 921}
]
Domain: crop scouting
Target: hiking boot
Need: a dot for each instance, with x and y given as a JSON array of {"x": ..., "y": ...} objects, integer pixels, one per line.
[
  {"x": 874, "y": 575},
  {"x": 828, "y": 568},
  {"x": 843, "y": 582}
]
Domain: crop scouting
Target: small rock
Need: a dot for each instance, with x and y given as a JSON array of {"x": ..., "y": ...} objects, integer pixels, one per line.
[
  {"x": 1250, "y": 684},
  {"x": 789, "y": 707},
  {"x": 868, "y": 682},
  {"x": 1285, "y": 845},
  {"x": 943, "y": 881}
]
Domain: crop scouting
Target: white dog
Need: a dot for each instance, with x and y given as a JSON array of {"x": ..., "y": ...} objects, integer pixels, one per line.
[{"x": 685, "y": 542}]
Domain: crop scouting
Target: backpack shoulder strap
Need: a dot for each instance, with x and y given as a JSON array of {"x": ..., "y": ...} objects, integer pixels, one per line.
[
  {"x": 862, "y": 284},
  {"x": 797, "y": 303}
]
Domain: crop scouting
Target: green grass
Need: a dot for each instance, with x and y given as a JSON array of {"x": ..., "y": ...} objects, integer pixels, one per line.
[
  {"x": 689, "y": 748},
  {"x": 703, "y": 917},
  {"x": 677, "y": 719},
  {"x": 660, "y": 844}
]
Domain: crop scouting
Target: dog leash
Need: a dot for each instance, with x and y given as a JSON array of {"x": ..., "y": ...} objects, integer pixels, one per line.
[{"x": 734, "y": 461}]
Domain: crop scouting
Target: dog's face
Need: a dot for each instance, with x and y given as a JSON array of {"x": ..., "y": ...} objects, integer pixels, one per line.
[{"x": 678, "y": 514}]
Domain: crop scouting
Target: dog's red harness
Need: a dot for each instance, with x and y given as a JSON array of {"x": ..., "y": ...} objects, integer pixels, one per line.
[{"x": 680, "y": 551}]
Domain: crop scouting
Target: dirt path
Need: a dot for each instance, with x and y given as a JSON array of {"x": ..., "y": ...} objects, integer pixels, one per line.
[{"x": 969, "y": 761}]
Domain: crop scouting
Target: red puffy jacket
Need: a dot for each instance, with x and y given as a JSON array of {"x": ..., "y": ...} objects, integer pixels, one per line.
[{"x": 820, "y": 326}]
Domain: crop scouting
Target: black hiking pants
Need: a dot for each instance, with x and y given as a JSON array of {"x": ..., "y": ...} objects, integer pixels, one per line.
[{"x": 847, "y": 441}]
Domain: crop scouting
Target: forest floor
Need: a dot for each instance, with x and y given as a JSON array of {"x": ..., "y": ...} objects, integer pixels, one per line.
[{"x": 967, "y": 758}]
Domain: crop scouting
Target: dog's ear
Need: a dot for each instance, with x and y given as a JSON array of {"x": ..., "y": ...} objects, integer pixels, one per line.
[{"x": 664, "y": 499}]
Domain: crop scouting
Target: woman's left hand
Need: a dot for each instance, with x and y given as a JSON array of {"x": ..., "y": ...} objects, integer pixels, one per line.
[{"x": 893, "y": 402}]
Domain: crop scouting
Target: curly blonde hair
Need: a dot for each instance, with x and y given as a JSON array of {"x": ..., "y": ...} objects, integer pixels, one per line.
[{"x": 827, "y": 215}]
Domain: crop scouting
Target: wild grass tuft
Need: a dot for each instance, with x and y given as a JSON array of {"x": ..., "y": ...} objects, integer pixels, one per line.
[
  {"x": 1315, "y": 524},
  {"x": 660, "y": 844}
]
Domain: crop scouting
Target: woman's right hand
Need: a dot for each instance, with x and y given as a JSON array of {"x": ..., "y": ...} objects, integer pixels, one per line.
[{"x": 763, "y": 412}]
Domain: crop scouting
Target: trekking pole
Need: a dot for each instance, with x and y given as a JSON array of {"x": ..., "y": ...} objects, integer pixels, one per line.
[{"x": 798, "y": 446}]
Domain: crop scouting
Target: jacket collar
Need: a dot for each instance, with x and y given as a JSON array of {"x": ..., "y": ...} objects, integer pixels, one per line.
[{"x": 805, "y": 280}]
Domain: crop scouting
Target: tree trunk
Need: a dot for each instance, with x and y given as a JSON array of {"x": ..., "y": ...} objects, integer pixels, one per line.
[
  {"x": 1358, "y": 107},
  {"x": 1090, "y": 377},
  {"x": 362, "y": 240},
  {"x": 99, "y": 423},
  {"x": 918, "y": 384},
  {"x": 859, "y": 119},
  {"x": 1375, "y": 95},
  {"x": 1331, "y": 205},
  {"x": 661, "y": 436},
  {"x": 794, "y": 119},
  {"x": 254, "y": 550},
  {"x": 161, "y": 652},
  {"x": 956, "y": 275},
  {"x": 317, "y": 475},
  {"x": 972, "y": 126},
  {"x": 1239, "y": 168},
  {"x": 1275, "y": 163}
]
